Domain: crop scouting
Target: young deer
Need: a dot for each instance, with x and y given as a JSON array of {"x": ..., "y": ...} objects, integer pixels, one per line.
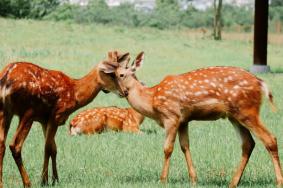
[
  {"x": 49, "y": 97},
  {"x": 99, "y": 119},
  {"x": 205, "y": 94}
]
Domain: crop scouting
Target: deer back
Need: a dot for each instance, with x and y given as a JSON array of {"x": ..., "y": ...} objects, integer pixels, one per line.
[
  {"x": 208, "y": 93},
  {"x": 29, "y": 86}
]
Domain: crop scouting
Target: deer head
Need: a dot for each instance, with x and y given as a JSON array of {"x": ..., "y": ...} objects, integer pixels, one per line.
[
  {"x": 124, "y": 74},
  {"x": 107, "y": 68}
]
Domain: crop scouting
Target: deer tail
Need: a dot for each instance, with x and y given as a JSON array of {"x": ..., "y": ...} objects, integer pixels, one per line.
[
  {"x": 5, "y": 90},
  {"x": 269, "y": 95}
]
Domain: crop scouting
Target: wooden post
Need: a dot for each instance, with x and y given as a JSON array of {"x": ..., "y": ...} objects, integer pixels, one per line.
[{"x": 260, "y": 37}]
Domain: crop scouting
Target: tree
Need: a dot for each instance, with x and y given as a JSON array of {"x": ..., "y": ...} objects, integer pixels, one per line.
[
  {"x": 217, "y": 5},
  {"x": 276, "y": 3}
]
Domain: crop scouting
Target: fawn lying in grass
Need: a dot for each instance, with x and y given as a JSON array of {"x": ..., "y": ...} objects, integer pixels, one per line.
[{"x": 99, "y": 119}]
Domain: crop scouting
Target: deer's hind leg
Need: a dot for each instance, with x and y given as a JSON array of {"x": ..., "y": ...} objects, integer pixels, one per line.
[
  {"x": 50, "y": 150},
  {"x": 247, "y": 148},
  {"x": 5, "y": 120},
  {"x": 17, "y": 144},
  {"x": 252, "y": 122}
]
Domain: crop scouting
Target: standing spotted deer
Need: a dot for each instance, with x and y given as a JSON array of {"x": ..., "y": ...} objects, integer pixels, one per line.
[
  {"x": 205, "y": 94},
  {"x": 49, "y": 97},
  {"x": 99, "y": 119}
]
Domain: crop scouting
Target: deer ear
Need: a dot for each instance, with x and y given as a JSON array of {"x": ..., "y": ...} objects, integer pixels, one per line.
[
  {"x": 138, "y": 61},
  {"x": 106, "y": 67},
  {"x": 124, "y": 59}
]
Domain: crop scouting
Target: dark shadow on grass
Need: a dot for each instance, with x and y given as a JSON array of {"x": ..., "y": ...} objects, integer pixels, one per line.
[
  {"x": 184, "y": 180},
  {"x": 149, "y": 131}
]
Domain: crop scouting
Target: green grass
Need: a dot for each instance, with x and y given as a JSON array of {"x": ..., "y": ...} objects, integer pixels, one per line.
[{"x": 128, "y": 160}]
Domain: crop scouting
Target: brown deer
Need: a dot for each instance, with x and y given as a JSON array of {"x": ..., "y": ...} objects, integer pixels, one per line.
[
  {"x": 204, "y": 94},
  {"x": 99, "y": 119},
  {"x": 47, "y": 96}
]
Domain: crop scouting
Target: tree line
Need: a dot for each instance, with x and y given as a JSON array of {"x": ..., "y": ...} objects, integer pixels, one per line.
[{"x": 166, "y": 14}]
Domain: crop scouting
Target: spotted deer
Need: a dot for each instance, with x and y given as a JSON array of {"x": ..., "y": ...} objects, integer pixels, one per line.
[
  {"x": 47, "y": 96},
  {"x": 99, "y": 119},
  {"x": 204, "y": 94}
]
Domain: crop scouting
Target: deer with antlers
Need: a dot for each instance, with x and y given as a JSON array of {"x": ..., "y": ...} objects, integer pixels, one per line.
[
  {"x": 204, "y": 94},
  {"x": 49, "y": 97},
  {"x": 99, "y": 119}
]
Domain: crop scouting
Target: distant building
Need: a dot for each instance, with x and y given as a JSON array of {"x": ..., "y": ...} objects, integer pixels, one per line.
[
  {"x": 142, "y": 5},
  {"x": 79, "y": 2}
]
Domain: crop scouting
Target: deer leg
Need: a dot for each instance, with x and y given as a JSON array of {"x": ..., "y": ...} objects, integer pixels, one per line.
[
  {"x": 17, "y": 143},
  {"x": 5, "y": 120},
  {"x": 55, "y": 177},
  {"x": 184, "y": 143},
  {"x": 171, "y": 131},
  {"x": 254, "y": 124},
  {"x": 247, "y": 148},
  {"x": 53, "y": 158},
  {"x": 49, "y": 151}
]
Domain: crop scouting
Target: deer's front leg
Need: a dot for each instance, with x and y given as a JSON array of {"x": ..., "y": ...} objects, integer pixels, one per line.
[
  {"x": 184, "y": 143},
  {"x": 49, "y": 150},
  {"x": 171, "y": 130}
]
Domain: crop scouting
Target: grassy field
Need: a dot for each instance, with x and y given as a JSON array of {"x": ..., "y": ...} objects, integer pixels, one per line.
[{"x": 127, "y": 160}]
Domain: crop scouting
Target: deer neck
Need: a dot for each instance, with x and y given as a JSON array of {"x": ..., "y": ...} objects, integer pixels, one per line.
[
  {"x": 140, "y": 97},
  {"x": 136, "y": 115},
  {"x": 87, "y": 87}
]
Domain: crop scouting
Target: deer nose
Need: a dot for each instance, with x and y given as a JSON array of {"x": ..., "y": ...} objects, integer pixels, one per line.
[{"x": 126, "y": 93}]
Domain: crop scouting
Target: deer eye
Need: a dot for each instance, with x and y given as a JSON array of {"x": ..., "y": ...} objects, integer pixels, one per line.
[
  {"x": 112, "y": 75},
  {"x": 121, "y": 75}
]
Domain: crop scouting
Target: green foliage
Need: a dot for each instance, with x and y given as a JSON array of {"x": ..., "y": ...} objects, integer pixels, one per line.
[
  {"x": 276, "y": 13},
  {"x": 276, "y": 3},
  {"x": 63, "y": 12},
  {"x": 41, "y": 8},
  {"x": 27, "y": 8}
]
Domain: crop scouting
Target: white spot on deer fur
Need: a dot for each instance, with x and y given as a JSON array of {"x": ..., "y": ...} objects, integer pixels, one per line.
[
  {"x": 209, "y": 102},
  {"x": 230, "y": 78},
  {"x": 188, "y": 93},
  {"x": 168, "y": 92},
  {"x": 229, "y": 99},
  {"x": 236, "y": 87},
  {"x": 212, "y": 84},
  {"x": 161, "y": 97},
  {"x": 158, "y": 89},
  {"x": 226, "y": 91},
  {"x": 198, "y": 93},
  {"x": 206, "y": 81},
  {"x": 205, "y": 92}
]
